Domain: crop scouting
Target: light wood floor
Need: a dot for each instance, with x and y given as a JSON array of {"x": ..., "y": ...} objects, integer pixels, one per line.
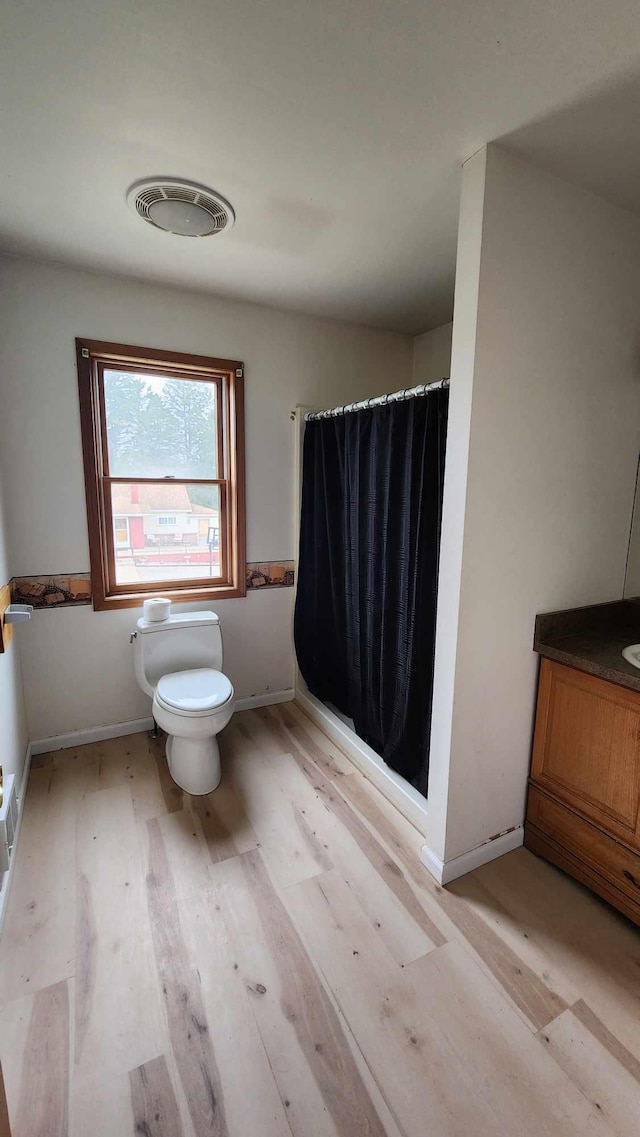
[{"x": 273, "y": 960}]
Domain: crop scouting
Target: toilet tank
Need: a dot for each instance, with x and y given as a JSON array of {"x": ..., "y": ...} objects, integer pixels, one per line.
[{"x": 177, "y": 644}]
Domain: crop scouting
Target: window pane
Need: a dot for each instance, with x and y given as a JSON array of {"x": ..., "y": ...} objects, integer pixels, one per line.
[
  {"x": 157, "y": 426},
  {"x": 165, "y": 532}
]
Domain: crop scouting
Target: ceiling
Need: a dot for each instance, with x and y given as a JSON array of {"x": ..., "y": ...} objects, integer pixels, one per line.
[
  {"x": 336, "y": 129},
  {"x": 594, "y": 141}
]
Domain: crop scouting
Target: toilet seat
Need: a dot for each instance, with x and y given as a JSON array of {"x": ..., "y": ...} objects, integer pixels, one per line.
[{"x": 199, "y": 692}]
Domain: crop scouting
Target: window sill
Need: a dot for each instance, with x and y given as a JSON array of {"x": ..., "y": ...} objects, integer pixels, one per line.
[{"x": 176, "y": 595}]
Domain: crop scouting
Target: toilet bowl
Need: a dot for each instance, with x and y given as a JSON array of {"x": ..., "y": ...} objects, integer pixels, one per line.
[
  {"x": 178, "y": 662},
  {"x": 193, "y": 707}
]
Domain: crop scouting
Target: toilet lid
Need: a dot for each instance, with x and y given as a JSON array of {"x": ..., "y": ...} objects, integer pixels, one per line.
[{"x": 200, "y": 690}]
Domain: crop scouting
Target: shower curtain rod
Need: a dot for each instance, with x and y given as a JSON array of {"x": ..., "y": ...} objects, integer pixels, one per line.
[{"x": 379, "y": 401}]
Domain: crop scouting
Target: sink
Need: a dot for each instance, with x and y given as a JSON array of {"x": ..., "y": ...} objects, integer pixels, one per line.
[{"x": 632, "y": 654}]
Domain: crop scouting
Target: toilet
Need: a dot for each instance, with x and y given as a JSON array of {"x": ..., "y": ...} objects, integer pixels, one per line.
[{"x": 178, "y": 662}]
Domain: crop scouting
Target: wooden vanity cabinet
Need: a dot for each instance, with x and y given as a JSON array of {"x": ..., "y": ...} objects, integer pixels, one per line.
[{"x": 583, "y": 808}]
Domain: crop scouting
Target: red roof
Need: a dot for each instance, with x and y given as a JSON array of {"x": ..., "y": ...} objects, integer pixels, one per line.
[{"x": 154, "y": 498}]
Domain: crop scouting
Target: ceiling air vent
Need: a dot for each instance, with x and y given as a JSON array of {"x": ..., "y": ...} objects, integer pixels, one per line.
[{"x": 183, "y": 208}]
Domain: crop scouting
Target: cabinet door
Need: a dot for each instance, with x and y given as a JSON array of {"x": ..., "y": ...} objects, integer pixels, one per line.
[
  {"x": 5, "y": 1127},
  {"x": 587, "y": 747}
]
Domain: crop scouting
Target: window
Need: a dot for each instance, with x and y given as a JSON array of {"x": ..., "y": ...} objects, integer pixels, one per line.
[
  {"x": 121, "y": 530},
  {"x": 163, "y": 450}
]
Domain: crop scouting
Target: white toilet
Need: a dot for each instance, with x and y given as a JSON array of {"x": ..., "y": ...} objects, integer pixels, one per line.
[{"x": 178, "y": 662}]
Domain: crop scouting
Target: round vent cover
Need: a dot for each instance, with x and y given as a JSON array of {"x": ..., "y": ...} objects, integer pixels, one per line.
[{"x": 183, "y": 208}]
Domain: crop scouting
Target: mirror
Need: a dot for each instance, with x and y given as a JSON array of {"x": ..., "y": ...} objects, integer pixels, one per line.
[{"x": 632, "y": 575}]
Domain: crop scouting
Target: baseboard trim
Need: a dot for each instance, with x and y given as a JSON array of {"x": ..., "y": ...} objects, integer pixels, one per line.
[
  {"x": 137, "y": 726},
  {"x": 446, "y": 871},
  {"x": 8, "y": 876},
  {"x": 267, "y": 700},
  {"x": 90, "y": 734},
  {"x": 410, "y": 803},
  {"x": 23, "y": 782},
  {"x": 434, "y": 865}
]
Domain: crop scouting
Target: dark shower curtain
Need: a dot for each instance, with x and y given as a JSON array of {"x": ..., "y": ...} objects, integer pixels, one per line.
[{"x": 367, "y": 573}]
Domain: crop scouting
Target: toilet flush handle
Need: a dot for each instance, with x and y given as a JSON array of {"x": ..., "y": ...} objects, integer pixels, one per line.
[{"x": 132, "y": 637}]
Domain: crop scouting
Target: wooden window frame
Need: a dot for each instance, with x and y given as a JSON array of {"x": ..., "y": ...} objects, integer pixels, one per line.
[{"x": 228, "y": 375}]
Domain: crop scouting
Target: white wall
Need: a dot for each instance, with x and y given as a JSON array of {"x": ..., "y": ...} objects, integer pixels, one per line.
[
  {"x": 545, "y": 396},
  {"x": 13, "y": 730},
  {"x": 455, "y": 494},
  {"x": 432, "y": 355},
  {"x": 77, "y": 663}
]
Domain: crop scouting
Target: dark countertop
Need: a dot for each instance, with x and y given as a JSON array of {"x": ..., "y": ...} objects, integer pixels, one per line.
[{"x": 591, "y": 639}]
